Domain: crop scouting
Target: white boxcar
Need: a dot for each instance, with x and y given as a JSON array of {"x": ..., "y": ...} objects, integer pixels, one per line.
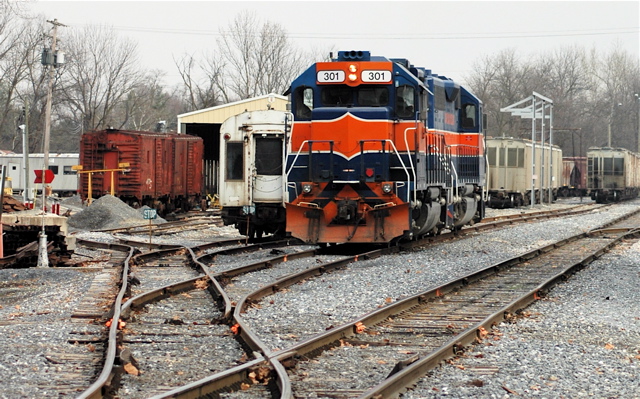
[
  {"x": 511, "y": 172},
  {"x": 251, "y": 174},
  {"x": 613, "y": 174},
  {"x": 65, "y": 179}
]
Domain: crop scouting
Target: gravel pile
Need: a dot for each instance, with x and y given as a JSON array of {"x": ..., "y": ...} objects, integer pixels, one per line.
[{"x": 109, "y": 212}]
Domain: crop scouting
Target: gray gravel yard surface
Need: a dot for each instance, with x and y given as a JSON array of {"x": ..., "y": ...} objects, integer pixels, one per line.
[
  {"x": 583, "y": 340},
  {"x": 34, "y": 309},
  {"x": 336, "y": 298}
]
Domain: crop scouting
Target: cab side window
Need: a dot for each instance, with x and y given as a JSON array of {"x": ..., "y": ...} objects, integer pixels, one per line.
[
  {"x": 405, "y": 101},
  {"x": 304, "y": 102},
  {"x": 468, "y": 116}
]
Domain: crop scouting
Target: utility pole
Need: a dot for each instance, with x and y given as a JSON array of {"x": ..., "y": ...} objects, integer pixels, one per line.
[
  {"x": 51, "y": 59},
  {"x": 638, "y": 98}
]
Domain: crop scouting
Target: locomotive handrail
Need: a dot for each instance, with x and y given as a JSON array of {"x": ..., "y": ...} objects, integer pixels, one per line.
[
  {"x": 404, "y": 167},
  {"x": 454, "y": 180},
  {"x": 288, "y": 127},
  {"x": 415, "y": 180},
  {"x": 383, "y": 141},
  {"x": 485, "y": 194},
  {"x": 395, "y": 150},
  {"x": 470, "y": 151},
  {"x": 300, "y": 150}
]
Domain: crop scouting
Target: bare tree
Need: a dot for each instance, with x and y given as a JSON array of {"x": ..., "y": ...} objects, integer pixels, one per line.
[
  {"x": 591, "y": 92},
  {"x": 560, "y": 75},
  {"x": 20, "y": 45},
  {"x": 500, "y": 81},
  {"x": 203, "y": 82},
  {"x": 258, "y": 59},
  {"x": 612, "y": 77},
  {"x": 101, "y": 70},
  {"x": 148, "y": 104}
]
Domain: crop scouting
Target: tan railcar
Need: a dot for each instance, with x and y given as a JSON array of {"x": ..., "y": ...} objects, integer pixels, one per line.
[
  {"x": 511, "y": 172},
  {"x": 613, "y": 174}
]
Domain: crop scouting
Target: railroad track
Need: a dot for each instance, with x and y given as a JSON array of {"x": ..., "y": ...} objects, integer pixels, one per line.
[
  {"x": 177, "y": 314},
  {"x": 233, "y": 283},
  {"x": 70, "y": 342},
  {"x": 384, "y": 369}
]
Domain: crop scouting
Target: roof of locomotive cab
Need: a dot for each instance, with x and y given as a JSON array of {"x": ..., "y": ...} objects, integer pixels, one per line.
[{"x": 413, "y": 72}]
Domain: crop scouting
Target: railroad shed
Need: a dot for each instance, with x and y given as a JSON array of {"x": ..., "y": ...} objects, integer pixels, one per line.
[{"x": 206, "y": 123}]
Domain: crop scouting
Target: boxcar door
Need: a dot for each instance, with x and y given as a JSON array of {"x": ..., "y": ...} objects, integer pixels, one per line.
[{"x": 110, "y": 162}]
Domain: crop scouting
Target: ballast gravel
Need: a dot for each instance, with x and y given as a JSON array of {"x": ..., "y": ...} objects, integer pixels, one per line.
[
  {"x": 582, "y": 340},
  {"x": 336, "y": 298}
]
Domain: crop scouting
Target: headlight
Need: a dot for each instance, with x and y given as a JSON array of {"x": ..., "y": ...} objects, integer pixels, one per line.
[
  {"x": 387, "y": 187},
  {"x": 306, "y": 188}
]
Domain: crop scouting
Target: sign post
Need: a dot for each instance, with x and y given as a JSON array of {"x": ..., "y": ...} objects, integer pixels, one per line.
[
  {"x": 44, "y": 176},
  {"x": 150, "y": 214}
]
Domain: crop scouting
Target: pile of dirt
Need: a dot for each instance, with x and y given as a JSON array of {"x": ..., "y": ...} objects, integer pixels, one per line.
[{"x": 108, "y": 212}]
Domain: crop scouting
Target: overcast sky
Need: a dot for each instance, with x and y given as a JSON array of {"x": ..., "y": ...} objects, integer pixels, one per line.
[{"x": 447, "y": 37}]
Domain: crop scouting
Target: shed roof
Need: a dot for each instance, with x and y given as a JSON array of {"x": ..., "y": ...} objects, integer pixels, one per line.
[{"x": 220, "y": 113}]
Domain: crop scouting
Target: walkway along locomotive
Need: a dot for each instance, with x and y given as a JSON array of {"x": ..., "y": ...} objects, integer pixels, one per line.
[
  {"x": 381, "y": 150},
  {"x": 252, "y": 153},
  {"x": 613, "y": 174}
]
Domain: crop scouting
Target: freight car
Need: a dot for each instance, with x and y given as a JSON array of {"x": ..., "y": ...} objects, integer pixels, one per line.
[
  {"x": 574, "y": 177},
  {"x": 381, "y": 150},
  {"x": 159, "y": 170},
  {"x": 65, "y": 180},
  {"x": 511, "y": 171},
  {"x": 252, "y": 153},
  {"x": 613, "y": 174}
]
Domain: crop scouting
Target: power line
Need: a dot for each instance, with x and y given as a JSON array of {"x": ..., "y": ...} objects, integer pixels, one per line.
[{"x": 377, "y": 36}]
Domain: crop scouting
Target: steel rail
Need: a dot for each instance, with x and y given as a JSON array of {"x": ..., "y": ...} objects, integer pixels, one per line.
[
  {"x": 399, "y": 382},
  {"x": 101, "y": 386},
  {"x": 220, "y": 382}
]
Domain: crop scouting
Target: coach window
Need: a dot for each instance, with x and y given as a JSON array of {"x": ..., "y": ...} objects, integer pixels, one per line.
[
  {"x": 405, "y": 101},
  {"x": 607, "y": 166},
  {"x": 618, "y": 166},
  {"x": 234, "y": 161},
  {"x": 54, "y": 169},
  {"x": 521, "y": 157},
  {"x": 68, "y": 170},
  {"x": 270, "y": 160},
  {"x": 304, "y": 102},
  {"x": 512, "y": 157},
  {"x": 491, "y": 155}
]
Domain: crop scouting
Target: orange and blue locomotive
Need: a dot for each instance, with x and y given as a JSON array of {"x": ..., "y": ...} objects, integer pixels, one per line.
[{"x": 380, "y": 151}]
